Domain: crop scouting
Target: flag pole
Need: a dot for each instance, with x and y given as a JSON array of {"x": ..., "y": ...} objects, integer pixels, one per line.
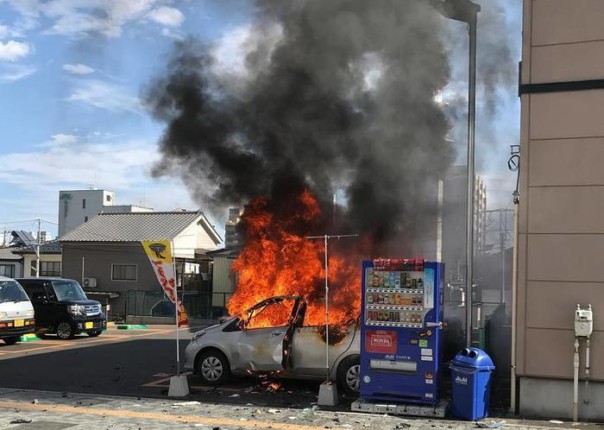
[
  {"x": 179, "y": 385},
  {"x": 176, "y": 309}
]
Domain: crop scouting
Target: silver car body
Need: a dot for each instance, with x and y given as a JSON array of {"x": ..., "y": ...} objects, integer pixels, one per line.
[{"x": 292, "y": 351}]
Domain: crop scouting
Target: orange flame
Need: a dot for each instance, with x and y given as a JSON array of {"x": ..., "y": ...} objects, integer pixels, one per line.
[{"x": 278, "y": 259}]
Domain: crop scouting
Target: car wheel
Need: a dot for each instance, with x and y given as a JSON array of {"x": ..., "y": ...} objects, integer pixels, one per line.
[
  {"x": 213, "y": 367},
  {"x": 349, "y": 374},
  {"x": 94, "y": 333},
  {"x": 11, "y": 340},
  {"x": 64, "y": 330}
]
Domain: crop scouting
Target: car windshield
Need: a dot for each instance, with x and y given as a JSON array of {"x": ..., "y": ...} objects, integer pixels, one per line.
[
  {"x": 275, "y": 313},
  {"x": 68, "y": 290},
  {"x": 11, "y": 291}
]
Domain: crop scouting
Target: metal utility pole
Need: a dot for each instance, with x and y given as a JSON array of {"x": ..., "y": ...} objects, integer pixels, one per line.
[{"x": 38, "y": 251}]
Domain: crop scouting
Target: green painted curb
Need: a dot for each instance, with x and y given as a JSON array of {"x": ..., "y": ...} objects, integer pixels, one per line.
[{"x": 131, "y": 326}]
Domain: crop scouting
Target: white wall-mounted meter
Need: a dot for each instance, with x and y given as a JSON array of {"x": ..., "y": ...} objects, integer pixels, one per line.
[{"x": 583, "y": 321}]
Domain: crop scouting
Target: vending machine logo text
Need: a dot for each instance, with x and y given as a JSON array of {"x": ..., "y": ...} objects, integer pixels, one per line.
[{"x": 381, "y": 341}]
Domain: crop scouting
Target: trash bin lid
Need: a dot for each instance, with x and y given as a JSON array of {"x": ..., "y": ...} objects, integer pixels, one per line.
[{"x": 474, "y": 358}]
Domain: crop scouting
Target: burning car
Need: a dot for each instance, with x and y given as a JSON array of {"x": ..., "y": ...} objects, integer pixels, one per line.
[{"x": 280, "y": 344}]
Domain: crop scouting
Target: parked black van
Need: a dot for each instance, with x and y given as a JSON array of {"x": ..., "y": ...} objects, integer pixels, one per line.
[{"x": 61, "y": 307}]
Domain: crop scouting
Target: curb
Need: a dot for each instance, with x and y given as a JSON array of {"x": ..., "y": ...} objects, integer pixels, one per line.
[{"x": 131, "y": 326}]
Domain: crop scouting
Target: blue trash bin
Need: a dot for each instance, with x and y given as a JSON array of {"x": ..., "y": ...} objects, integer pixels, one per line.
[{"x": 471, "y": 376}]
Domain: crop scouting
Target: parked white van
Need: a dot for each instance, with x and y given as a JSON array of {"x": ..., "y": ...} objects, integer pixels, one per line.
[{"x": 16, "y": 311}]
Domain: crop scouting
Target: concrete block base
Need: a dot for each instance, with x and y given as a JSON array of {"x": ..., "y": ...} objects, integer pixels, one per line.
[
  {"x": 179, "y": 386},
  {"x": 328, "y": 394}
]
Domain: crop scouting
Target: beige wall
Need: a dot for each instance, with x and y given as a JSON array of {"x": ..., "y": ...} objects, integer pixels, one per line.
[
  {"x": 561, "y": 212},
  {"x": 28, "y": 258}
]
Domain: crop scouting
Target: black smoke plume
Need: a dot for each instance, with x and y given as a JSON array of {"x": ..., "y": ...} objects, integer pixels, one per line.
[{"x": 337, "y": 96}]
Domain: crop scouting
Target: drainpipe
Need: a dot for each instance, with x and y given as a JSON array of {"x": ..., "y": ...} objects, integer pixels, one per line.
[
  {"x": 514, "y": 312},
  {"x": 586, "y": 393},
  {"x": 576, "y": 381}
]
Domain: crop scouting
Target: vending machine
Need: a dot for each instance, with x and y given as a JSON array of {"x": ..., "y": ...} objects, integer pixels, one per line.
[{"x": 400, "y": 330}]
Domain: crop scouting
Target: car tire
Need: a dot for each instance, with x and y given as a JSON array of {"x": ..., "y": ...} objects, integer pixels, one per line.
[
  {"x": 349, "y": 376},
  {"x": 64, "y": 330},
  {"x": 213, "y": 367},
  {"x": 11, "y": 340},
  {"x": 94, "y": 333}
]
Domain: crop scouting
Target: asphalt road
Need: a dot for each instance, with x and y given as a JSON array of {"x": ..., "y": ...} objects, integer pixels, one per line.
[{"x": 134, "y": 363}]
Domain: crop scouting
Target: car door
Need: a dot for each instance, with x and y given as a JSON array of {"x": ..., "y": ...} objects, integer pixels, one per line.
[
  {"x": 39, "y": 299},
  {"x": 263, "y": 347},
  {"x": 309, "y": 350}
]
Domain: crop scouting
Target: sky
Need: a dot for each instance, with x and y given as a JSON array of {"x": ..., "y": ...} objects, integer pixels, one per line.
[{"x": 73, "y": 74}]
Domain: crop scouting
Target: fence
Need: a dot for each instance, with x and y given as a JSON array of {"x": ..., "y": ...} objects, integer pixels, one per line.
[{"x": 201, "y": 305}]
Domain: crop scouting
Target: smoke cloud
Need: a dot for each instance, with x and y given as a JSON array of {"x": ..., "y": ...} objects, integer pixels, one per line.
[{"x": 334, "y": 96}]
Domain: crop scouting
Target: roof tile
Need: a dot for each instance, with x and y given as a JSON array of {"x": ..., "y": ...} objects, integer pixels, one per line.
[{"x": 135, "y": 226}]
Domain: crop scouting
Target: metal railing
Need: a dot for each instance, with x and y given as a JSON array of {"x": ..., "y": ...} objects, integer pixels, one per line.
[{"x": 201, "y": 305}]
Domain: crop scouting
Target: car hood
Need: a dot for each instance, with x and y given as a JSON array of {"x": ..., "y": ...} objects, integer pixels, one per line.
[
  {"x": 216, "y": 327},
  {"x": 81, "y": 302},
  {"x": 17, "y": 309}
]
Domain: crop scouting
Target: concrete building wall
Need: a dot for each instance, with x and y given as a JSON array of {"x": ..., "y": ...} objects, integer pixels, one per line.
[
  {"x": 223, "y": 280},
  {"x": 29, "y": 262},
  {"x": 96, "y": 260},
  {"x": 78, "y": 206},
  {"x": 561, "y": 230},
  {"x": 11, "y": 269}
]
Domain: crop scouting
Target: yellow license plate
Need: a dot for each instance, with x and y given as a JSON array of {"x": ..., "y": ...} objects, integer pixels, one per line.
[
  {"x": 18, "y": 323},
  {"x": 89, "y": 325}
]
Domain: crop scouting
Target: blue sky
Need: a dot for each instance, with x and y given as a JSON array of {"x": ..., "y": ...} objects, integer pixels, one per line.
[{"x": 71, "y": 77}]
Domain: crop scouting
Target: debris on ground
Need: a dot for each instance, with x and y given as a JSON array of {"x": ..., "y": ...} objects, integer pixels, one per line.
[
  {"x": 491, "y": 425},
  {"x": 189, "y": 403},
  {"x": 307, "y": 414},
  {"x": 20, "y": 421}
]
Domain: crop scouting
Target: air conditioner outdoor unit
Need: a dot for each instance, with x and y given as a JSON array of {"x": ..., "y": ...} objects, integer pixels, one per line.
[{"x": 89, "y": 282}]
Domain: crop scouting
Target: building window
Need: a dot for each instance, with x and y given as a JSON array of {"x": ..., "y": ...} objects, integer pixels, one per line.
[
  {"x": 7, "y": 270},
  {"x": 123, "y": 272},
  {"x": 47, "y": 268},
  {"x": 85, "y": 219},
  {"x": 83, "y": 203},
  {"x": 108, "y": 198}
]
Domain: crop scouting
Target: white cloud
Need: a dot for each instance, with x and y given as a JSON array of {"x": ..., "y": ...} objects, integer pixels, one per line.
[
  {"x": 78, "y": 69},
  {"x": 105, "y": 17},
  {"x": 167, "y": 16},
  {"x": 13, "y": 51},
  {"x": 64, "y": 139},
  {"x": 34, "y": 179},
  {"x": 15, "y": 72},
  {"x": 104, "y": 95}
]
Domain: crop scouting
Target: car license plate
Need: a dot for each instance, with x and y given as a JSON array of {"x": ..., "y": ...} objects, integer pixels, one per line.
[
  {"x": 18, "y": 323},
  {"x": 89, "y": 324}
]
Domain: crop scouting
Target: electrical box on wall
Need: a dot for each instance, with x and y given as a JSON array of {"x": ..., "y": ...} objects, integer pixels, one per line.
[
  {"x": 583, "y": 321},
  {"x": 89, "y": 282}
]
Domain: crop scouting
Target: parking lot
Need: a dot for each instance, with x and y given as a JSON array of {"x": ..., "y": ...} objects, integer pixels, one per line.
[
  {"x": 82, "y": 380},
  {"x": 133, "y": 363}
]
